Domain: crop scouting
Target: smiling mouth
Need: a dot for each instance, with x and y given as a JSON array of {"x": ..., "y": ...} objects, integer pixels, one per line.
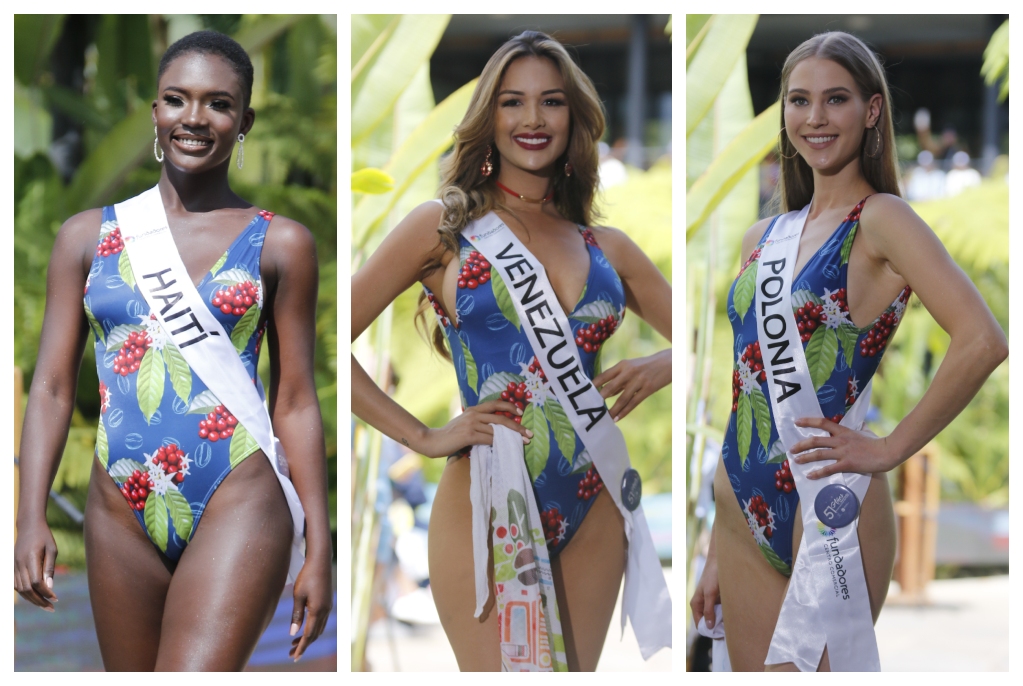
[
  {"x": 192, "y": 143},
  {"x": 819, "y": 140},
  {"x": 534, "y": 141}
]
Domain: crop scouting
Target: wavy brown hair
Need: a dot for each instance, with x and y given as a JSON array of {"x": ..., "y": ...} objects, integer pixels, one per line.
[
  {"x": 795, "y": 185},
  {"x": 468, "y": 195}
]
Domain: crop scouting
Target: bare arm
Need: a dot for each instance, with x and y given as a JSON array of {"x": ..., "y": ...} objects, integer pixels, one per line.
[
  {"x": 295, "y": 410},
  {"x": 51, "y": 401},
  {"x": 395, "y": 266},
  {"x": 894, "y": 233},
  {"x": 648, "y": 294}
]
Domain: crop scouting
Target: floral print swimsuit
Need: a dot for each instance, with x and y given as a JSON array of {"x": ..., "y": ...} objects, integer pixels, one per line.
[
  {"x": 163, "y": 436},
  {"x": 841, "y": 357},
  {"x": 494, "y": 361}
]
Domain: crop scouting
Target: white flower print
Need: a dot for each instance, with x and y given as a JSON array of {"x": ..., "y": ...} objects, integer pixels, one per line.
[
  {"x": 747, "y": 379},
  {"x": 754, "y": 524},
  {"x": 157, "y": 336},
  {"x": 535, "y": 385},
  {"x": 259, "y": 293},
  {"x": 836, "y": 316},
  {"x": 161, "y": 480}
]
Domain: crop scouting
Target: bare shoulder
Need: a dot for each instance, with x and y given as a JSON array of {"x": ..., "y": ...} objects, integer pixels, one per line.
[
  {"x": 619, "y": 248},
  {"x": 752, "y": 237},
  {"x": 289, "y": 241},
  {"x": 79, "y": 234},
  {"x": 888, "y": 222}
]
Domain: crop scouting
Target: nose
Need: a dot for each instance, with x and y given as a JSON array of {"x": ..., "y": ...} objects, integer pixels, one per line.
[
  {"x": 817, "y": 117},
  {"x": 194, "y": 115},
  {"x": 534, "y": 117}
]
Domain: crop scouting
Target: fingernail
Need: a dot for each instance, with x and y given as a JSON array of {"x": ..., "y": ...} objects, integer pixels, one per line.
[
  {"x": 518, "y": 410},
  {"x": 529, "y": 433},
  {"x": 297, "y": 658},
  {"x": 617, "y": 418},
  {"x": 49, "y": 582},
  {"x": 710, "y": 623},
  {"x": 294, "y": 629},
  {"x": 49, "y": 609},
  {"x": 525, "y": 440}
]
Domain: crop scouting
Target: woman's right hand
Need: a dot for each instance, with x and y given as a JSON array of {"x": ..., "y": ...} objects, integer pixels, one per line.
[
  {"x": 472, "y": 427},
  {"x": 35, "y": 555},
  {"x": 707, "y": 593}
]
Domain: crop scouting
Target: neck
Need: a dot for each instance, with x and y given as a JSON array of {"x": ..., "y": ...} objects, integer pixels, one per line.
[
  {"x": 201, "y": 192},
  {"x": 838, "y": 190},
  {"x": 533, "y": 185}
]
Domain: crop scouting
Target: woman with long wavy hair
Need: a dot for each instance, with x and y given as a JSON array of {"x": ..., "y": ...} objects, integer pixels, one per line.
[
  {"x": 813, "y": 310},
  {"x": 525, "y": 160}
]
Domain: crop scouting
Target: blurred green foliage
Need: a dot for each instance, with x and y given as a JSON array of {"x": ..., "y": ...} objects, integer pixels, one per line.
[{"x": 290, "y": 169}]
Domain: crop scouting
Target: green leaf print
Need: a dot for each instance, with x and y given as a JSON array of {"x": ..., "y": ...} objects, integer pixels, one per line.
[
  {"x": 497, "y": 382},
  {"x": 472, "y": 376},
  {"x": 178, "y": 370},
  {"x": 180, "y": 512},
  {"x": 204, "y": 403},
  {"x": 800, "y": 298},
  {"x": 742, "y": 296},
  {"x": 234, "y": 276},
  {"x": 123, "y": 468},
  {"x": 821, "y": 352},
  {"x": 776, "y": 453},
  {"x": 848, "y": 335},
  {"x": 119, "y": 334},
  {"x": 220, "y": 263},
  {"x": 503, "y": 298},
  {"x": 102, "y": 448},
  {"x": 539, "y": 447},
  {"x": 598, "y": 362},
  {"x": 242, "y": 331},
  {"x": 96, "y": 328},
  {"x": 564, "y": 434},
  {"x": 155, "y": 516},
  {"x": 124, "y": 269},
  {"x": 504, "y": 569},
  {"x": 744, "y": 426},
  {"x": 593, "y": 312},
  {"x": 762, "y": 415},
  {"x": 775, "y": 561},
  {"x": 150, "y": 382},
  {"x": 847, "y": 244},
  {"x": 518, "y": 519},
  {"x": 242, "y": 445}
]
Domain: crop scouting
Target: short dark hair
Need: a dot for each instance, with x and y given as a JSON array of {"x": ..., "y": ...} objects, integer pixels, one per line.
[{"x": 213, "y": 43}]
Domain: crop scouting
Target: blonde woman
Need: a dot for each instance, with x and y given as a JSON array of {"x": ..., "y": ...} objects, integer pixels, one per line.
[
  {"x": 525, "y": 157},
  {"x": 812, "y": 317}
]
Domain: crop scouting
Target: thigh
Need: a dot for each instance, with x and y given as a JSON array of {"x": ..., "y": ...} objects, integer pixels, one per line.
[
  {"x": 751, "y": 589},
  {"x": 475, "y": 640},
  {"x": 128, "y": 579},
  {"x": 587, "y": 578},
  {"x": 230, "y": 577}
]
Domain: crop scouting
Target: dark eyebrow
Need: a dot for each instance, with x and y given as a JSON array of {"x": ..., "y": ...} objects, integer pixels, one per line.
[
  {"x": 209, "y": 94},
  {"x": 827, "y": 91},
  {"x": 548, "y": 92}
]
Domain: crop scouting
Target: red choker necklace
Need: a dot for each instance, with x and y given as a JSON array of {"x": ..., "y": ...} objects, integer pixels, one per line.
[{"x": 523, "y": 198}]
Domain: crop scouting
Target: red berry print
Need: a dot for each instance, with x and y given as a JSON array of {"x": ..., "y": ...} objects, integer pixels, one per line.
[
  {"x": 218, "y": 424},
  {"x": 851, "y": 392},
  {"x": 534, "y": 367},
  {"x": 588, "y": 237},
  {"x": 854, "y": 216},
  {"x": 444, "y": 321},
  {"x": 591, "y": 337},
  {"x": 136, "y": 489},
  {"x": 752, "y": 356},
  {"x": 758, "y": 507},
  {"x": 752, "y": 258},
  {"x": 590, "y": 485},
  {"x": 517, "y": 394},
  {"x": 259, "y": 338},
  {"x": 475, "y": 271},
  {"x": 173, "y": 461},
  {"x": 877, "y": 337},
  {"x": 266, "y": 215},
  {"x": 808, "y": 318},
  {"x": 111, "y": 244},
  {"x": 783, "y": 480},
  {"x": 553, "y": 526},
  {"x": 837, "y": 419},
  {"x": 104, "y": 398},
  {"x": 129, "y": 357},
  {"x": 236, "y": 300}
]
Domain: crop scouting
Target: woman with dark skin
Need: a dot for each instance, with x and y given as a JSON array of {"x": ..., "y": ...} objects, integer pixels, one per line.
[{"x": 207, "y": 610}]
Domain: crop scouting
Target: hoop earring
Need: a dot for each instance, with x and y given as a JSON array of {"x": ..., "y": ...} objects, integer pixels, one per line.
[
  {"x": 568, "y": 169},
  {"x": 877, "y": 146},
  {"x": 157, "y": 152},
  {"x": 241, "y": 150},
  {"x": 487, "y": 168},
  {"x": 781, "y": 146}
]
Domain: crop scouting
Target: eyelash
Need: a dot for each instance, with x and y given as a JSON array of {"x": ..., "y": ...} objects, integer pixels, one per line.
[
  {"x": 554, "y": 102},
  {"x": 798, "y": 99},
  {"x": 175, "y": 101}
]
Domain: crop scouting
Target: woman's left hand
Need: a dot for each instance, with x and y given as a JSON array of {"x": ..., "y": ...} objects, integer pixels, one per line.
[
  {"x": 635, "y": 380},
  {"x": 853, "y": 451},
  {"x": 313, "y": 592}
]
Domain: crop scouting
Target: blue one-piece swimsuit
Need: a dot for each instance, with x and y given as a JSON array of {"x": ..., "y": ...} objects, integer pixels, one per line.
[
  {"x": 163, "y": 436},
  {"x": 493, "y": 360},
  {"x": 758, "y": 471}
]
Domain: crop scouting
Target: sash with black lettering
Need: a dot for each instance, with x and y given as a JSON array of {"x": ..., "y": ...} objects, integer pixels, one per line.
[
  {"x": 206, "y": 347},
  {"x": 826, "y": 603},
  {"x": 646, "y": 601}
]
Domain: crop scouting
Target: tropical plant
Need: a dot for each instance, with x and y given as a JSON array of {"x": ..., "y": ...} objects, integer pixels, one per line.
[{"x": 105, "y": 154}]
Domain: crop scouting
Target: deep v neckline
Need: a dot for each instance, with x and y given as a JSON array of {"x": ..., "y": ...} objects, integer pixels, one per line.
[
  {"x": 816, "y": 253},
  {"x": 206, "y": 274}
]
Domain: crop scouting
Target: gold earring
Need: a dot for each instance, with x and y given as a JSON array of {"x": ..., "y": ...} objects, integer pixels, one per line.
[
  {"x": 877, "y": 146},
  {"x": 781, "y": 146},
  {"x": 157, "y": 152},
  {"x": 568, "y": 169},
  {"x": 487, "y": 168}
]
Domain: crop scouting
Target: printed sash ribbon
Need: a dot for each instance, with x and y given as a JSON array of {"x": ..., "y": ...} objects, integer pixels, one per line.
[
  {"x": 827, "y": 602},
  {"x": 501, "y": 493},
  {"x": 645, "y": 602},
  {"x": 203, "y": 342}
]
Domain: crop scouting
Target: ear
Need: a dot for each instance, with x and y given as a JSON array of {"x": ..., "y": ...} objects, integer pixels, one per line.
[
  {"x": 874, "y": 106},
  {"x": 248, "y": 119},
  {"x": 154, "y": 113}
]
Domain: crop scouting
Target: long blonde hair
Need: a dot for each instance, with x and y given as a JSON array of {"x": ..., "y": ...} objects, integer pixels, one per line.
[
  {"x": 795, "y": 185},
  {"x": 468, "y": 195}
]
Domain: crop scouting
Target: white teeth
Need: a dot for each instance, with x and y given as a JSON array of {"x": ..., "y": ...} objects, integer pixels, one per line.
[
  {"x": 821, "y": 139},
  {"x": 532, "y": 141},
  {"x": 188, "y": 142}
]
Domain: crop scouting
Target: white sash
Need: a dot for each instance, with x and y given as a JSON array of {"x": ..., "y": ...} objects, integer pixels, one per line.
[
  {"x": 646, "y": 601},
  {"x": 827, "y": 601},
  {"x": 206, "y": 347}
]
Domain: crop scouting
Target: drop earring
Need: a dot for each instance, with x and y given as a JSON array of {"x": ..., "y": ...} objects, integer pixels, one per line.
[
  {"x": 241, "y": 150},
  {"x": 568, "y": 169},
  {"x": 157, "y": 152},
  {"x": 487, "y": 168}
]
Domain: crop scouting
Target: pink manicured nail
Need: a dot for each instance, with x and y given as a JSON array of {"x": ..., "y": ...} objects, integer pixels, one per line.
[{"x": 294, "y": 629}]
